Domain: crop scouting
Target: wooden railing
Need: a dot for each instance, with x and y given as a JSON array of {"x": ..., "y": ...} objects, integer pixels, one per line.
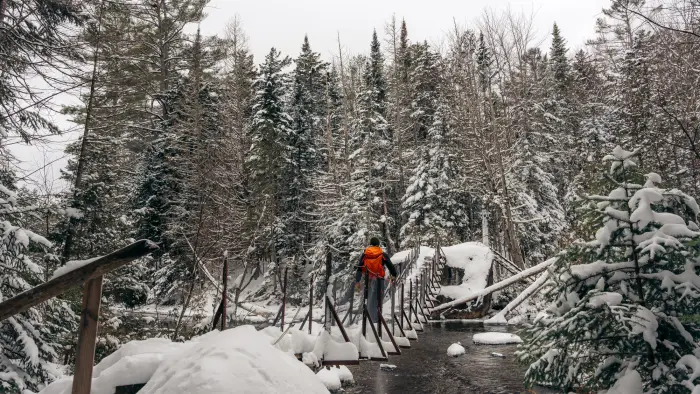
[{"x": 91, "y": 275}]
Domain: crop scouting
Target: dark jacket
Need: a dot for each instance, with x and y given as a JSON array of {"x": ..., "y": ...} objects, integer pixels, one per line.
[{"x": 386, "y": 261}]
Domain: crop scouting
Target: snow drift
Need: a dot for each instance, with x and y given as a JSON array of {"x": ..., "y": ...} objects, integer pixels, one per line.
[
  {"x": 475, "y": 259},
  {"x": 241, "y": 359}
]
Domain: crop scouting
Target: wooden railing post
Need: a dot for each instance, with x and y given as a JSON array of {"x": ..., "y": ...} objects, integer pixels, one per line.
[
  {"x": 223, "y": 293},
  {"x": 311, "y": 302},
  {"x": 87, "y": 336},
  {"x": 284, "y": 298}
]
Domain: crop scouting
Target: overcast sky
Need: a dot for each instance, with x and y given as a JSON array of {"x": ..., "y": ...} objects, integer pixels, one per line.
[{"x": 283, "y": 24}]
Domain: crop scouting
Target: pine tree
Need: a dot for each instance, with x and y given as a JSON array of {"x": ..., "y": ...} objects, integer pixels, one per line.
[
  {"x": 269, "y": 157},
  {"x": 31, "y": 342},
  {"x": 431, "y": 202},
  {"x": 558, "y": 62},
  {"x": 307, "y": 109},
  {"x": 36, "y": 39},
  {"x": 616, "y": 313},
  {"x": 371, "y": 146},
  {"x": 96, "y": 222}
]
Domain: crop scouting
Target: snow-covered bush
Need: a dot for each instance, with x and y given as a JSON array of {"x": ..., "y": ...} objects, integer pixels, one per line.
[
  {"x": 29, "y": 341},
  {"x": 616, "y": 318}
]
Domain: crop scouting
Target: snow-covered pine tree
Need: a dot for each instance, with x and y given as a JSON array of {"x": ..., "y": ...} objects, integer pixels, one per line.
[
  {"x": 431, "y": 203},
  {"x": 617, "y": 318},
  {"x": 536, "y": 171},
  {"x": 372, "y": 151},
  {"x": 269, "y": 157},
  {"x": 96, "y": 221},
  {"x": 161, "y": 52},
  {"x": 31, "y": 343},
  {"x": 304, "y": 141}
]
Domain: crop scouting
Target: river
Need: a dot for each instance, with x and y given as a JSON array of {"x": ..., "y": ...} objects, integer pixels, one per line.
[{"x": 426, "y": 367}]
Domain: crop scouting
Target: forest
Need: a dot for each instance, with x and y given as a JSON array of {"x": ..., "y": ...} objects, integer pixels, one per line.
[{"x": 277, "y": 163}]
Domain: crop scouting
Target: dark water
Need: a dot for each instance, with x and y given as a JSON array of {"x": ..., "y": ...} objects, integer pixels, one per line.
[{"x": 426, "y": 367}]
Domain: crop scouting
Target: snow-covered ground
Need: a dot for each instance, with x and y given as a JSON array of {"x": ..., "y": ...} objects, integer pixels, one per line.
[{"x": 241, "y": 358}]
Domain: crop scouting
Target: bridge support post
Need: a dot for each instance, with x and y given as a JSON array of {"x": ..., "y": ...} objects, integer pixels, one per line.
[{"x": 87, "y": 335}]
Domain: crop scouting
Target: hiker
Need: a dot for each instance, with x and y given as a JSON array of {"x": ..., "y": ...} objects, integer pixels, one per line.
[{"x": 373, "y": 261}]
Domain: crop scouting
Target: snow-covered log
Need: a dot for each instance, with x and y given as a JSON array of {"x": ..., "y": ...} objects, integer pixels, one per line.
[{"x": 498, "y": 286}]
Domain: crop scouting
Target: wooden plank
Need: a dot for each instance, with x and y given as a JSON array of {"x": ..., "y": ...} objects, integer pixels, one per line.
[
  {"x": 78, "y": 276},
  {"x": 340, "y": 362},
  {"x": 87, "y": 336}
]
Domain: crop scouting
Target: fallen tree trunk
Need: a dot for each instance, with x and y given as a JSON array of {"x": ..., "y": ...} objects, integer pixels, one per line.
[
  {"x": 500, "y": 317},
  {"x": 498, "y": 286}
]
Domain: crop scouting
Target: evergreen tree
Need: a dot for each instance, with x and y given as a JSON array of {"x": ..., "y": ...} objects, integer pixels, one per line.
[
  {"x": 31, "y": 342},
  {"x": 35, "y": 39},
  {"x": 371, "y": 146},
  {"x": 558, "y": 62},
  {"x": 431, "y": 201},
  {"x": 307, "y": 109},
  {"x": 269, "y": 157},
  {"x": 615, "y": 318}
]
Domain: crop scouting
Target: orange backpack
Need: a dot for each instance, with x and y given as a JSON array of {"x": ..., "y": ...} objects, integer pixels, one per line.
[{"x": 373, "y": 259}]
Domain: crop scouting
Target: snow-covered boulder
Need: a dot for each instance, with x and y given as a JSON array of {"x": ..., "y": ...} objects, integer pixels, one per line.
[
  {"x": 495, "y": 338},
  {"x": 329, "y": 377},
  {"x": 456, "y": 349}
]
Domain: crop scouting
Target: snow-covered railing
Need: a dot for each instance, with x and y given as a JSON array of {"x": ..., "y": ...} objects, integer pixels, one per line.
[{"x": 88, "y": 272}]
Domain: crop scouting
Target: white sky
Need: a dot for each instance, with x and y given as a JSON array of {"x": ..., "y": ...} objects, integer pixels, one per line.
[{"x": 283, "y": 24}]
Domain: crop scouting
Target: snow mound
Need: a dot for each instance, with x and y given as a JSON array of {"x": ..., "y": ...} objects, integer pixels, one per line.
[
  {"x": 330, "y": 378},
  {"x": 213, "y": 363},
  {"x": 494, "y": 354},
  {"x": 240, "y": 357},
  {"x": 456, "y": 349},
  {"x": 475, "y": 259},
  {"x": 387, "y": 367},
  {"x": 495, "y": 338},
  {"x": 345, "y": 375},
  {"x": 133, "y": 363}
]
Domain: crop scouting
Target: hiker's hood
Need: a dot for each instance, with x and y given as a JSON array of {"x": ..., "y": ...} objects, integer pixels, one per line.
[{"x": 373, "y": 252}]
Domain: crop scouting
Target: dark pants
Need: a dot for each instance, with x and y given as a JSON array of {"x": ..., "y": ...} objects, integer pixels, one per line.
[{"x": 373, "y": 297}]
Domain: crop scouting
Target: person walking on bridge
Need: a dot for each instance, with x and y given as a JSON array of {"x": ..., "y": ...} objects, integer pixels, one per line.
[{"x": 372, "y": 261}]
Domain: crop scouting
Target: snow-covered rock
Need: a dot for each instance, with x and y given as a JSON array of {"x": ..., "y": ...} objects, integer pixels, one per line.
[
  {"x": 495, "y": 338},
  {"x": 456, "y": 349},
  {"x": 387, "y": 367},
  {"x": 494, "y": 354},
  {"x": 345, "y": 375},
  {"x": 330, "y": 378}
]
